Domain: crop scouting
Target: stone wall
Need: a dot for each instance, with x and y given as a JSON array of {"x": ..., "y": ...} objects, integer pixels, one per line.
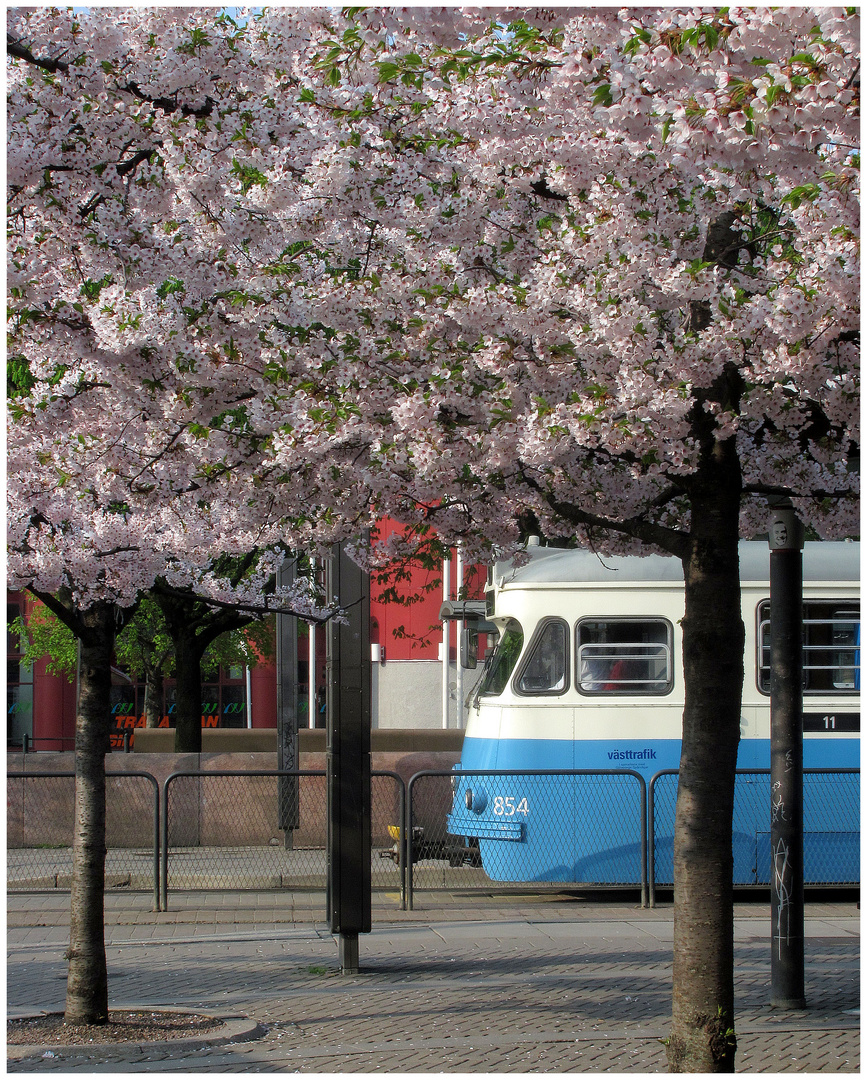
[{"x": 222, "y": 811}]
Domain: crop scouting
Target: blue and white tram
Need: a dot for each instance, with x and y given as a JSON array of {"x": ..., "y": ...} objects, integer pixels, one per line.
[{"x": 586, "y": 675}]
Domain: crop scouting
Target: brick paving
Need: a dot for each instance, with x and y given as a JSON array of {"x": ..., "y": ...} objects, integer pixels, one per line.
[{"x": 461, "y": 984}]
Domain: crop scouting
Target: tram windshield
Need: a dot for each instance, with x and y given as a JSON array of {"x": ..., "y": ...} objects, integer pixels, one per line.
[{"x": 503, "y": 660}]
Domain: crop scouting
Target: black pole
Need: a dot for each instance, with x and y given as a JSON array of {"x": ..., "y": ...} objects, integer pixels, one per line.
[
  {"x": 787, "y": 762},
  {"x": 288, "y": 808},
  {"x": 347, "y": 660}
]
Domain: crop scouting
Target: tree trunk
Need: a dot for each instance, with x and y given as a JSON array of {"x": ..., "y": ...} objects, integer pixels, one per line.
[
  {"x": 192, "y": 628},
  {"x": 153, "y": 697},
  {"x": 188, "y": 691},
  {"x": 87, "y": 981},
  {"x": 702, "y": 1037}
]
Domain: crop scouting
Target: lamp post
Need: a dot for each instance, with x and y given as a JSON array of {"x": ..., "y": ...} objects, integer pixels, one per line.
[{"x": 786, "y": 538}]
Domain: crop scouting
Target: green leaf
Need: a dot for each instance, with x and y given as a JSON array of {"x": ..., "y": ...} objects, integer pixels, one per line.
[
  {"x": 388, "y": 70},
  {"x": 602, "y": 95}
]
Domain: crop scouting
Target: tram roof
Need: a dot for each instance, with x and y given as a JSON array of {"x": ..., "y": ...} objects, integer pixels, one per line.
[{"x": 829, "y": 561}]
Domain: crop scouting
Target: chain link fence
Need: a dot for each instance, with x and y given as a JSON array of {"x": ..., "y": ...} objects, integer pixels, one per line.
[
  {"x": 227, "y": 830},
  {"x": 40, "y": 815},
  {"x": 452, "y": 830},
  {"x": 490, "y": 829},
  {"x": 832, "y": 801}
]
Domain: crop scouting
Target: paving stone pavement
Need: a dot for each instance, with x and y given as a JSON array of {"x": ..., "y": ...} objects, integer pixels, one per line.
[{"x": 464, "y": 983}]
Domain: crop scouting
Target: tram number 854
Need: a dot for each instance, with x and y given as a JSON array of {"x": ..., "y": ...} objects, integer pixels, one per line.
[{"x": 504, "y": 806}]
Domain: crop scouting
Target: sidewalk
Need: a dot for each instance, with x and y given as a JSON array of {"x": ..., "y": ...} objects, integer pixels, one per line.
[{"x": 496, "y": 983}]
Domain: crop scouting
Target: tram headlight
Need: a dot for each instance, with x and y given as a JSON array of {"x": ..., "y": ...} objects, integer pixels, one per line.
[{"x": 476, "y": 800}]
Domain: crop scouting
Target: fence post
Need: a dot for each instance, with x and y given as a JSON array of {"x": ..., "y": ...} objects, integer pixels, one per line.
[
  {"x": 406, "y": 842},
  {"x": 164, "y": 846},
  {"x": 645, "y": 887},
  {"x": 156, "y": 844},
  {"x": 401, "y": 846}
]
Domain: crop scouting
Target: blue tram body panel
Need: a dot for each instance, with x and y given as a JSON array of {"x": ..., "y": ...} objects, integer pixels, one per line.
[
  {"x": 539, "y": 710},
  {"x": 572, "y": 829}
]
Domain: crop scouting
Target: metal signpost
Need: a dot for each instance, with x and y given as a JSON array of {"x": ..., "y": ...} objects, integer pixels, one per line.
[
  {"x": 787, "y": 761},
  {"x": 288, "y": 808},
  {"x": 348, "y": 756}
]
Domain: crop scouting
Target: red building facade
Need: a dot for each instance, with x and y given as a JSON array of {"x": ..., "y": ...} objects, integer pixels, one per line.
[{"x": 406, "y": 658}]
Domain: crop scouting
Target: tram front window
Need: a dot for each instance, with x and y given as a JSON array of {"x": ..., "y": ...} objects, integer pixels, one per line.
[{"x": 503, "y": 661}]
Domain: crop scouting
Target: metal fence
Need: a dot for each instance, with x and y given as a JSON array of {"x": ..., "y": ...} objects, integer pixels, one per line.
[
  {"x": 268, "y": 829},
  {"x": 832, "y": 801},
  {"x": 224, "y": 830},
  {"x": 40, "y": 814},
  {"x": 535, "y": 828}
]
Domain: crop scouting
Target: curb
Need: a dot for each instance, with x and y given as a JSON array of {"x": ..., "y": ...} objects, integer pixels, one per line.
[{"x": 234, "y": 1029}]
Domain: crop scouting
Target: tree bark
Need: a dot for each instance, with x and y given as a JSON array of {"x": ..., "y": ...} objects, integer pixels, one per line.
[
  {"x": 87, "y": 979},
  {"x": 153, "y": 697},
  {"x": 702, "y": 1037},
  {"x": 192, "y": 627},
  {"x": 188, "y": 689}
]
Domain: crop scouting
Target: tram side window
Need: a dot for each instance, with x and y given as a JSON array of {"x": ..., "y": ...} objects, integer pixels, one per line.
[
  {"x": 547, "y": 664},
  {"x": 624, "y": 656},
  {"x": 503, "y": 660},
  {"x": 832, "y": 647}
]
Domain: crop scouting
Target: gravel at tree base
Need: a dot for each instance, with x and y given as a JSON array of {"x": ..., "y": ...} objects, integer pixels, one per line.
[{"x": 123, "y": 1026}]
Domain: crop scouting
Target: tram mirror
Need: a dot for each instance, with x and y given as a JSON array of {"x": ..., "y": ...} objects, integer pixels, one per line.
[{"x": 469, "y": 647}]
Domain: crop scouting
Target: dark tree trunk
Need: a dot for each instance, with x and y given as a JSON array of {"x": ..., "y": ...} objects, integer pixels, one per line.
[
  {"x": 188, "y": 689},
  {"x": 702, "y": 1037},
  {"x": 87, "y": 981},
  {"x": 182, "y": 623},
  {"x": 192, "y": 627},
  {"x": 153, "y": 697}
]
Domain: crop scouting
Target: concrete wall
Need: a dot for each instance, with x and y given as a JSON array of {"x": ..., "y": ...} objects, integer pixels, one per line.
[
  {"x": 409, "y": 694},
  {"x": 223, "y": 811}
]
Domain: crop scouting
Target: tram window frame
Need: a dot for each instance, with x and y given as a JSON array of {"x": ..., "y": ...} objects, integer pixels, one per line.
[
  {"x": 840, "y": 611},
  {"x": 504, "y": 643},
  {"x": 531, "y": 656},
  {"x": 634, "y": 688}
]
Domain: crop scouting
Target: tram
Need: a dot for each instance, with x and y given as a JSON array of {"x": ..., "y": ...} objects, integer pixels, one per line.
[{"x": 586, "y": 675}]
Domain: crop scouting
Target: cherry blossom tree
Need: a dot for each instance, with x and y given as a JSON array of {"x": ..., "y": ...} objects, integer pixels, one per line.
[
  {"x": 592, "y": 268},
  {"x": 130, "y": 449},
  {"x": 609, "y": 278}
]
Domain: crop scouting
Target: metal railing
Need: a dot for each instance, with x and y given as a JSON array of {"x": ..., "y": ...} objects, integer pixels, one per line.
[
  {"x": 542, "y": 826},
  {"x": 40, "y": 813},
  {"x": 222, "y": 830},
  {"x": 267, "y": 829},
  {"x": 832, "y": 802}
]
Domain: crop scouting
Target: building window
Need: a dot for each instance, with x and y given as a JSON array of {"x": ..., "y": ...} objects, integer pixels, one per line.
[
  {"x": 19, "y": 685},
  {"x": 624, "y": 656},
  {"x": 832, "y": 647},
  {"x": 224, "y": 702}
]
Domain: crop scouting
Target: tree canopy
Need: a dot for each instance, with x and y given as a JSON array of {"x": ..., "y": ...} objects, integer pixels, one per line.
[{"x": 594, "y": 269}]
